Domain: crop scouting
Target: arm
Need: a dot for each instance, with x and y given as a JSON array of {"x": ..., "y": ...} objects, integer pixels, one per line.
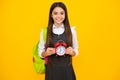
[
  {"x": 75, "y": 42},
  {"x": 41, "y": 48},
  {"x": 48, "y": 52},
  {"x": 73, "y": 51}
]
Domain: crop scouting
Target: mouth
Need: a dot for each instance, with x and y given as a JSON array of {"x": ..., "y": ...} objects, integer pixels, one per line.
[{"x": 58, "y": 19}]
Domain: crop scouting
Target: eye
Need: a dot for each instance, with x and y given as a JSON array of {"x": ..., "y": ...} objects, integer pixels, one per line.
[
  {"x": 62, "y": 13},
  {"x": 55, "y": 13}
]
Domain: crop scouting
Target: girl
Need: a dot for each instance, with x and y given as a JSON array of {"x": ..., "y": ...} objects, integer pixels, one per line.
[{"x": 59, "y": 67}]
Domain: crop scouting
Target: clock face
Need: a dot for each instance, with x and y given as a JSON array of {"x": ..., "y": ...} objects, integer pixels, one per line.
[{"x": 60, "y": 50}]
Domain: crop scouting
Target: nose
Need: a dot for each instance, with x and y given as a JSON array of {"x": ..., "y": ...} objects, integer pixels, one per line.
[{"x": 59, "y": 15}]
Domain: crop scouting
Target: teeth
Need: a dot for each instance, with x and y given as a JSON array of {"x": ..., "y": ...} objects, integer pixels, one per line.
[{"x": 58, "y": 19}]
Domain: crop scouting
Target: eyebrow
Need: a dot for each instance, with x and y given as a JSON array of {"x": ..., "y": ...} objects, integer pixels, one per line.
[{"x": 60, "y": 11}]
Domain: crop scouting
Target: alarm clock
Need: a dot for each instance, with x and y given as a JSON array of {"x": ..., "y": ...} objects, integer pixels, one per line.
[{"x": 60, "y": 48}]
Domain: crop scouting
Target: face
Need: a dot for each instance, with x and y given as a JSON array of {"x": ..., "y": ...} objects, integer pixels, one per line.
[{"x": 58, "y": 15}]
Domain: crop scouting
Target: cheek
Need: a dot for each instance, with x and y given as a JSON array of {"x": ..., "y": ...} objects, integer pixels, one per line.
[
  {"x": 54, "y": 16},
  {"x": 63, "y": 16}
]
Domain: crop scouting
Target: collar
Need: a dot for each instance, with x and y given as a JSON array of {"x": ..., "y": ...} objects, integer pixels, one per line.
[{"x": 54, "y": 27}]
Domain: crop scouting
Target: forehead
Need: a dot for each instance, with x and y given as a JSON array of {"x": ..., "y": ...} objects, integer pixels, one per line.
[{"x": 58, "y": 9}]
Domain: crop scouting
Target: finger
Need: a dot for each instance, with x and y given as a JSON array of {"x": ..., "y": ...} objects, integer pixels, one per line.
[
  {"x": 67, "y": 51},
  {"x": 51, "y": 48},
  {"x": 70, "y": 48},
  {"x": 51, "y": 51}
]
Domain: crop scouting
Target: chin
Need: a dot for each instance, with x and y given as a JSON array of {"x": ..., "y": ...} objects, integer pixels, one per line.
[{"x": 59, "y": 22}]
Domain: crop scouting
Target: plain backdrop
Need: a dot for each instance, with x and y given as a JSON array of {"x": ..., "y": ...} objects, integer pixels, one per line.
[{"x": 98, "y": 30}]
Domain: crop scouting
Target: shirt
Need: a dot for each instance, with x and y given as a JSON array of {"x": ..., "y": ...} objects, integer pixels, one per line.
[{"x": 58, "y": 31}]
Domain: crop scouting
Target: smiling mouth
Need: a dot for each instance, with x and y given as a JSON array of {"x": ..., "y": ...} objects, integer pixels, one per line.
[{"x": 59, "y": 19}]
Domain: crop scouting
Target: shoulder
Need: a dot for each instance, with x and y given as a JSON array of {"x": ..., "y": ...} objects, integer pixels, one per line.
[
  {"x": 43, "y": 30},
  {"x": 73, "y": 29}
]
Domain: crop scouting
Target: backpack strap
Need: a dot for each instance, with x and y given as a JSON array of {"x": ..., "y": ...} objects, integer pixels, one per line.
[{"x": 44, "y": 34}]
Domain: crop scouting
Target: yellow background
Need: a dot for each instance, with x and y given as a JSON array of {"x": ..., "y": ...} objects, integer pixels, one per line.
[{"x": 97, "y": 24}]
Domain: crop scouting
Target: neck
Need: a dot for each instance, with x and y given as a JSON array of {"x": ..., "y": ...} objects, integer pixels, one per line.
[{"x": 58, "y": 25}]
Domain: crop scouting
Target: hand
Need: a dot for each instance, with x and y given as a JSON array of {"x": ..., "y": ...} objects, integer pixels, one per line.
[
  {"x": 50, "y": 51},
  {"x": 70, "y": 51}
]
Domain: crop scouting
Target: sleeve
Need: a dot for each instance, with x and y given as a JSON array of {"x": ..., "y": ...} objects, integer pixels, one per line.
[
  {"x": 74, "y": 40},
  {"x": 41, "y": 46}
]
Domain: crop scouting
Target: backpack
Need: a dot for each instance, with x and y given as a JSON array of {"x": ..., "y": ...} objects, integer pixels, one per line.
[{"x": 39, "y": 63}]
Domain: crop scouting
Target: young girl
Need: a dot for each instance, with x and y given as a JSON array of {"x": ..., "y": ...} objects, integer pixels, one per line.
[{"x": 59, "y": 67}]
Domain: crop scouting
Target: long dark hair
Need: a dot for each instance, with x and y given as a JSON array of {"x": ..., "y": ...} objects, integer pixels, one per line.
[{"x": 65, "y": 22}]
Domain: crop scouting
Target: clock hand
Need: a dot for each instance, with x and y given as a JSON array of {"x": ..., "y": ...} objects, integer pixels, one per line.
[{"x": 60, "y": 50}]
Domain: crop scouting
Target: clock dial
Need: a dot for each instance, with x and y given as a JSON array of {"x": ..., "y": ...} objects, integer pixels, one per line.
[{"x": 60, "y": 50}]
